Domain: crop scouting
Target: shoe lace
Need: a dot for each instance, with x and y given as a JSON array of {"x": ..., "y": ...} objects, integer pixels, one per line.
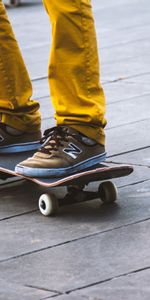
[{"x": 53, "y": 138}]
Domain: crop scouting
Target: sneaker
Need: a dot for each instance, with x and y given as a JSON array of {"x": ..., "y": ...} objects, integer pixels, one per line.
[
  {"x": 18, "y": 142},
  {"x": 65, "y": 151}
]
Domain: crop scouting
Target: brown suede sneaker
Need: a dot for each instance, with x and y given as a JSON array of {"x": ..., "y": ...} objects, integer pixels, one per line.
[
  {"x": 21, "y": 142},
  {"x": 65, "y": 151}
]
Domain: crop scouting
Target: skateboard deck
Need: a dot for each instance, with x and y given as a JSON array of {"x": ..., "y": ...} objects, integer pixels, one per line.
[
  {"x": 75, "y": 183},
  {"x": 99, "y": 173}
]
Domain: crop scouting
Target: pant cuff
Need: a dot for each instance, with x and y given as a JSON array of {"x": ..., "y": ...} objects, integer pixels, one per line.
[
  {"x": 20, "y": 124},
  {"x": 95, "y": 133}
]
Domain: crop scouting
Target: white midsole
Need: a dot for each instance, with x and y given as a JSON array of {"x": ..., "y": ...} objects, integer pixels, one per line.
[{"x": 58, "y": 172}]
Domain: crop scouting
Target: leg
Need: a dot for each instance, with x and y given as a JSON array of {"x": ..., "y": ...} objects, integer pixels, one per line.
[
  {"x": 16, "y": 108},
  {"x": 76, "y": 93},
  {"x": 77, "y": 143}
]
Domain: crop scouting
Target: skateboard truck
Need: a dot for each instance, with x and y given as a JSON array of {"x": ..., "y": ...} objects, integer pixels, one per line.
[{"x": 49, "y": 204}]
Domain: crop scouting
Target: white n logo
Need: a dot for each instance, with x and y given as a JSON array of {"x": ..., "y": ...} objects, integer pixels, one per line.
[
  {"x": 1, "y": 138},
  {"x": 72, "y": 150}
]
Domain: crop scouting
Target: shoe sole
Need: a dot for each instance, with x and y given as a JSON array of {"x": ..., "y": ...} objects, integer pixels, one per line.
[
  {"x": 46, "y": 173},
  {"x": 16, "y": 148}
]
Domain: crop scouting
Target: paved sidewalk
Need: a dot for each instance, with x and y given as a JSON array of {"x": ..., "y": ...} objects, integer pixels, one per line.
[{"x": 88, "y": 251}]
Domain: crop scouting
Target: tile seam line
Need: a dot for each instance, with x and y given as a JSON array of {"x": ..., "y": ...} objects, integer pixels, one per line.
[
  {"x": 127, "y": 152},
  {"x": 114, "y": 6},
  {"x": 130, "y": 163},
  {"x": 111, "y": 62},
  {"x": 42, "y": 289},
  {"x": 133, "y": 183},
  {"x": 100, "y": 282},
  {"x": 110, "y": 279},
  {"x": 18, "y": 215},
  {"x": 74, "y": 240},
  {"x": 125, "y": 79},
  {"x": 137, "y": 25},
  {"x": 113, "y": 45},
  {"x": 105, "y": 81},
  {"x": 53, "y": 296},
  {"x": 47, "y": 97},
  {"x": 127, "y": 99},
  {"x": 126, "y": 124},
  {"x": 122, "y": 43}
]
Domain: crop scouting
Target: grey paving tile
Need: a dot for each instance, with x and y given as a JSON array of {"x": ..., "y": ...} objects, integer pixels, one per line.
[
  {"x": 142, "y": 80},
  {"x": 15, "y": 199},
  {"x": 120, "y": 14},
  {"x": 23, "y": 20},
  {"x": 73, "y": 297},
  {"x": 140, "y": 157},
  {"x": 124, "y": 90},
  {"x": 83, "y": 262},
  {"x": 46, "y": 108},
  {"x": 111, "y": 37},
  {"x": 127, "y": 137},
  {"x": 47, "y": 123},
  {"x": 109, "y": 4},
  {"x": 32, "y": 232},
  {"x": 119, "y": 114},
  {"x": 124, "y": 52},
  {"x": 123, "y": 70},
  {"x": 140, "y": 174},
  {"x": 37, "y": 69},
  {"x": 133, "y": 286},
  {"x": 39, "y": 54},
  {"x": 40, "y": 89},
  {"x": 12, "y": 291},
  {"x": 140, "y": 162}
]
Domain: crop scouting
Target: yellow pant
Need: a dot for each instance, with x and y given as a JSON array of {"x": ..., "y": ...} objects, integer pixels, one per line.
[{"x": 76, "y": 93}]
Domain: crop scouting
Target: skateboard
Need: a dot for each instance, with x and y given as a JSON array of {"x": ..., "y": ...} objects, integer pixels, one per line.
[{"x": 75, "y": 184}]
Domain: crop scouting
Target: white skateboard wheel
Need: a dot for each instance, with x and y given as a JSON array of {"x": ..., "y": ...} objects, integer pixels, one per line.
[
  {"x": 12, "y": 2},
  {"x": 48, "y": 204},
  {"x": 108, "y": 192}
]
